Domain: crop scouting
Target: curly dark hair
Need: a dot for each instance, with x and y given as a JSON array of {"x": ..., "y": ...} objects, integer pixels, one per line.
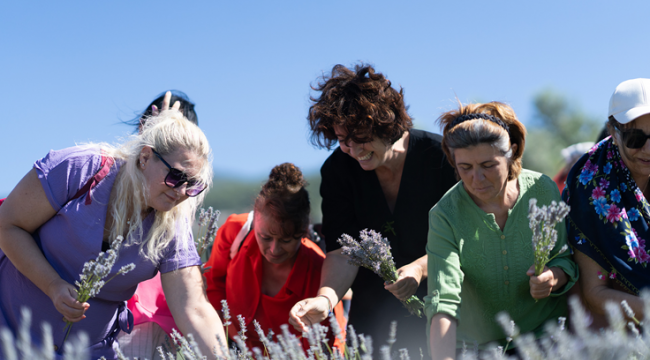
[
  {"x": 284, "y": 198},
  {"x": 362, "y": 102}
]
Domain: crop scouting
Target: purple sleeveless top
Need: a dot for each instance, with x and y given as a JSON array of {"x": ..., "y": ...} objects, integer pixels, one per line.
[{"x": 71, "y": 238}]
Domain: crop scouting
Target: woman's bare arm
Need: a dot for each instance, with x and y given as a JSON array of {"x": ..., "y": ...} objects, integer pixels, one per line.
[
  {"x": 23, "y": 212},
  {"x": 442, "y": 337},
  {"x": 336, "y": 278},
  {"x": 191, "y": 310},
  {"x": 596, "y": 291}
]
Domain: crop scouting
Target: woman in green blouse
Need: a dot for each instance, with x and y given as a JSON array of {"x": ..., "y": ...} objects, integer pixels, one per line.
[{"x": 479, "y": 248}]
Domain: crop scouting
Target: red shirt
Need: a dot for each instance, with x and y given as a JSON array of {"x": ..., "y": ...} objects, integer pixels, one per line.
[{"x": 239, "y": 281}]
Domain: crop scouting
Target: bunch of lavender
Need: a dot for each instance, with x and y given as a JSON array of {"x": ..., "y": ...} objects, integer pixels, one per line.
[
  {"x": 373, "y": 253},
  {"x": 207, "y": 229},
  {"x": 542, "y": 222},
  {"x": 92, "y": 277}
]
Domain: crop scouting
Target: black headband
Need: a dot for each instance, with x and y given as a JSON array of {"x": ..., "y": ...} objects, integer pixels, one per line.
[{"x": 466, "y": 117}]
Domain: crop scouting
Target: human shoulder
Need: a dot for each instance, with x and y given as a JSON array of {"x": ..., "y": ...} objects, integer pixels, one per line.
[
  {"x": 538, "y": 185},
  {"x": 335, "y": 161},
  {"x": 72, "y": 157},
  {"x": 449, "y": 204},
  {"x": 234, "y": 223},
  {"x": 537, "y": 181},
  {"x": 424, "y": 141},
  {"x": 425, "y": 136},
  {"x": 425, "y": 149},
  {"x": 312, "y": 250}
]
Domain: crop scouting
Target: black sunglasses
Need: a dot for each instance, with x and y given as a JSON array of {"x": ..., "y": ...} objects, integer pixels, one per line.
[
  {"x": 633, "y": 138},
  {"x": 175, "y": 178}
]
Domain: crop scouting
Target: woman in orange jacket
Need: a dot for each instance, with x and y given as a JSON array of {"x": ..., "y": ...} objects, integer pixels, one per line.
[{"x": 262, "y": 263}]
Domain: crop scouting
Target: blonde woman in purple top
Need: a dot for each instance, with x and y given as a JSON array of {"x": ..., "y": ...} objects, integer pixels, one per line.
[{"x": 149, "y": 196}]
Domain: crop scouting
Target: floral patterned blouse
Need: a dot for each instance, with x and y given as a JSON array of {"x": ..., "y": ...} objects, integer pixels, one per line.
[{"x": 609, "y": 216}]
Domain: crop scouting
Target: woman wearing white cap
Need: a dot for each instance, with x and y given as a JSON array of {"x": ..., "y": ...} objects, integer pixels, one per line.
[{"x": 610, "y": 216}]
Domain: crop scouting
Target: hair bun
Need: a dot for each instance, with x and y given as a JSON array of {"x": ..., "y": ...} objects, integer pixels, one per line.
[{"x": 284, "y": 177}]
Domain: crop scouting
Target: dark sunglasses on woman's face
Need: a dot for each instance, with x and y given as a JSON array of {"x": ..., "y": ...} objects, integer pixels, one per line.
[
  {"x": 633, "y": 138},
  {"x": 176, "y": 178}
]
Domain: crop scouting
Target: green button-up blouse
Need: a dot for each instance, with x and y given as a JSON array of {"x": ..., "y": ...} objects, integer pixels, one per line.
[{"x": 477, "y": 270}]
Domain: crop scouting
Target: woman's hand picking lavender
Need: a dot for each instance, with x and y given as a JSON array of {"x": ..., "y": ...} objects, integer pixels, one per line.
[
  {"x": 308, "y": 312},
  {"x": 64, "y": 298},
  {"x": 91, "y": 280}
]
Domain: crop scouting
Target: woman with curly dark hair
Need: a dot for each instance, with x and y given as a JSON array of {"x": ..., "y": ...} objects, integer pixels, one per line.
[{"x": 385, "y": 176}]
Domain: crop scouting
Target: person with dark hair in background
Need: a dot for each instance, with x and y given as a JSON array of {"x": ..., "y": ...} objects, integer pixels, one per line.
[
  {"x": 262, "y": 262},
  {"x": 179, "y": 101},
  {"x": 384, "y": 176},
  {"x": 479, "y": 248},
  {"x": 608, "y": 191}
]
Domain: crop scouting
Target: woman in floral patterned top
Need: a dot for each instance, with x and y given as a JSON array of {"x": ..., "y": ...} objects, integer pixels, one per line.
[{"x": 607, "y": 190}]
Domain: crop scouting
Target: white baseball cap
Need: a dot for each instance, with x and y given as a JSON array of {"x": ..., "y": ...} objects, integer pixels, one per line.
[{"x": 630, "y": 100}]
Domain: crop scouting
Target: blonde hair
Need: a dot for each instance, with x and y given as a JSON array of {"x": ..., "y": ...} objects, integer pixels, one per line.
[
  {"x": 481, "y": 131},
  {"x": 164, "y": 133}
]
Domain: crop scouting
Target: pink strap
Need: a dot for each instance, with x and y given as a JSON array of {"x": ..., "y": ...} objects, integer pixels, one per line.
[{"x": 106, "y": 164}]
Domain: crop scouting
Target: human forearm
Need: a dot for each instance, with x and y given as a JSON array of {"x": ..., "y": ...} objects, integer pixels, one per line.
[
  {"x": 597, "y": 298},
  {"x": 21, "y": 249},
  {"x": 23, "y": 212},
  {"x": 192, "y": 312},
  {"x": 205, "y": 325},
  {"x": 596, "y": 291},
  {"x": 421, "y": 265},
  {"x": 442, "y": 337},
  {"x": 336, "y": 278},
  {"x": 337, "y": 275}
]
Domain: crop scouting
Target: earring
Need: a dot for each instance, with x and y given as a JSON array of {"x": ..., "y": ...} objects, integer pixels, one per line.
[{"x": 141, "y": 164}]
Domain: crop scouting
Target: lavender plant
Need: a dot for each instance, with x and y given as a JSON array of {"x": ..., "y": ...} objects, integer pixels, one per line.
[
  {"x": 22, "y": 348},
  {"x": 542, "y": 222},
  {"x": 617, "y": 342},
  {"x": 373, "y": 253},
  {"x": 208, "y": 227},
  {"x": 225, "y": 310},
  {"x": 91, "y": 280}
]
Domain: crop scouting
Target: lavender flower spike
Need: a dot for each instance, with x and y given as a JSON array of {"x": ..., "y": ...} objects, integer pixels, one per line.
[
  {"x": 373, "y": 252},
  {"x": 91, "y": 280},
  {"x": 542, "y": 223}
]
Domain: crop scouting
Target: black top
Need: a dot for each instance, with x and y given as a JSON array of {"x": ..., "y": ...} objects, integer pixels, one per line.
[{"x": 353, "y": 200}]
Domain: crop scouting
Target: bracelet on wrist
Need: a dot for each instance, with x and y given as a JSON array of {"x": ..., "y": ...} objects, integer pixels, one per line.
[{"x": 329, "y": 302}]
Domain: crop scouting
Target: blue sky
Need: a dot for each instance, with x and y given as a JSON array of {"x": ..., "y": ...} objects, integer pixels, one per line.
[{"x": 70, "y": 71}]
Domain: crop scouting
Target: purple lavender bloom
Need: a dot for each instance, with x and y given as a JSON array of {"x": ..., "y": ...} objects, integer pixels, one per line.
[{"x": 373, "y": 252}]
